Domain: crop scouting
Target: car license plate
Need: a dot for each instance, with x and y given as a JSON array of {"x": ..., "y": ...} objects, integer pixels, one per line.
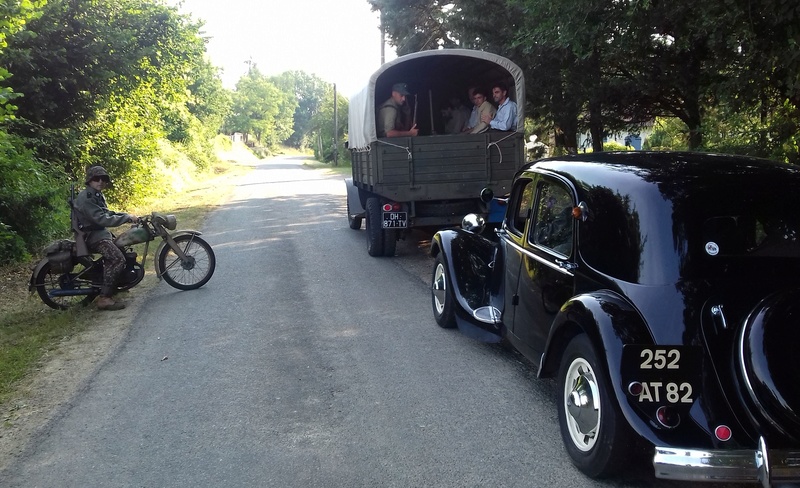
[
  {"x": 666, "y": 374},
  {"x": 395, "y": 220}
]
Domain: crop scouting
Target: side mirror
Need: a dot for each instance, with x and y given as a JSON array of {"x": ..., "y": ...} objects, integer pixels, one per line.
[
  {"x": 486, "y": 195},
  {"x": 473, "y": 223}
]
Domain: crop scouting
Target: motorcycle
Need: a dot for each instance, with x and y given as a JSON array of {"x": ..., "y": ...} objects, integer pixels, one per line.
[{"x": 69, "y": 275}]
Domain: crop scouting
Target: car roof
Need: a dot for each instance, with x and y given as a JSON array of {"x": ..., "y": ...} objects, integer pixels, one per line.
[{"x": 671, "y": 172}]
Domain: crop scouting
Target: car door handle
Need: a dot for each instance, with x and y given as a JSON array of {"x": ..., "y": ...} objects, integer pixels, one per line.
[{"x": 566, "y": 265}]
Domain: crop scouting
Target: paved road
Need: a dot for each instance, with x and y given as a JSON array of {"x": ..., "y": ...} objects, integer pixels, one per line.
[{"x": 304, "y": 363}]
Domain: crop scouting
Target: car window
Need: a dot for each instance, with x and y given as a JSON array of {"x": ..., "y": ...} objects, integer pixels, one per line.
[
  {"x": 520, "y": 205},
  {"x": 553, "y": 219}
]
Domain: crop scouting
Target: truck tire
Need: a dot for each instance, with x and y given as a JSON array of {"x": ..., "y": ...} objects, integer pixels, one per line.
[
  {"x": 375, "y": 233},
  {"x": 389, "y": 242}
]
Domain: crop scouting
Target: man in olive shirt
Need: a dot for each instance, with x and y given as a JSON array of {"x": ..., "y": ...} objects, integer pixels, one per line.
[{"x": 393, "y": 115}]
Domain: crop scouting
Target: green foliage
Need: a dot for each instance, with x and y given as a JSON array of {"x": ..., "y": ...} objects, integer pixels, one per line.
[
  {"x": 614, "y": 146},
  {"x": 33, "y": 209},
  {"x": 759, "y": 131},
  {"x": 97, "y": 82},
  {"x": 309, "y": 91},
  {"x": 262, "y": 109},
  {"x": 322, "y": 127},
  {"x": 669, "y": 134},
  {"x": 609, "y": 65}
]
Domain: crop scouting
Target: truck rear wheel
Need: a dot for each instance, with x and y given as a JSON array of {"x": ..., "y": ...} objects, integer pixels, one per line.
[
  {"x": 389, "y": 242},
  {"x": 374, "y": 225}
]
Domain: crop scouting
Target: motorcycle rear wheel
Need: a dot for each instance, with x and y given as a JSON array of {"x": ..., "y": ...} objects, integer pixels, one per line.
[
  {"x": 47, "y": 281},
  {"x": 195, "y": 271}
]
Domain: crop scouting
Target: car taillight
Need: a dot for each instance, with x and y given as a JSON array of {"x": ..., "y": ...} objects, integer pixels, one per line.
[
  {"x": 391, "y": 207},
  {"x": 668, "y": 417},
  {"x": 723, "y": 433}
]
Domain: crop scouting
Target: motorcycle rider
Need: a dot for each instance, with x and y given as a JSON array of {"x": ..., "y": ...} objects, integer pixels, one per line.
[{"x": 93, "y": 217}]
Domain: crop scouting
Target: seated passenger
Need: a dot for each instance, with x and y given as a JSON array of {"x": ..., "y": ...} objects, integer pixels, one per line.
[
  {"x": 486, "y": 111},
  {"x": 456, "y": 115},
  {"x": 506, "y": 116}
]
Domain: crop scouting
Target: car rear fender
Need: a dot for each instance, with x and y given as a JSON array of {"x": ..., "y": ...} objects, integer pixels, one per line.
[{"x": 609, "y": 320}]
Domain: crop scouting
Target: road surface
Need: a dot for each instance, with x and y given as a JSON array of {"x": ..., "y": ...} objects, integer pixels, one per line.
[{"x": 304, "y": 363}]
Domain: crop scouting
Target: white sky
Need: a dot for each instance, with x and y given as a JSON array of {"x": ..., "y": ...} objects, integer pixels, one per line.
[{"x": 337, "y": 40}]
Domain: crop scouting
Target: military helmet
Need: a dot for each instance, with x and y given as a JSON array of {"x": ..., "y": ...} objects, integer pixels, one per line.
[{"x": 96, "y": 171}]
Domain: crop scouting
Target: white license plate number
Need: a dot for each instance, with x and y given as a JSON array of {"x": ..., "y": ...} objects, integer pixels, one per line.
[
  {"x": 395, "y": 220},
  {"x": 668, "y": 375}
]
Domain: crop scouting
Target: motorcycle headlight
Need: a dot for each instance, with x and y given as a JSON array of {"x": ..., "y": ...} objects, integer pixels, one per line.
[{"x": 168, "y": 221}]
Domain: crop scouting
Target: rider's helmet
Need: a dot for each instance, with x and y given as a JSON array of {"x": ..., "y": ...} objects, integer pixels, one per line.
[{"x": 96, "y": 171}]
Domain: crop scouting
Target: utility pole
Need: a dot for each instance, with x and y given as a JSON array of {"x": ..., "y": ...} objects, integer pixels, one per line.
[
  {"x": 335, "y": 128},
  {"x": 383, "y": 40}
]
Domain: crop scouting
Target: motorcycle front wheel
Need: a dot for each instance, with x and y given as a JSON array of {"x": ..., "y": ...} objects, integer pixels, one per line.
[
  {"x": 48, "y": 282},
  {"x": 192, "y": 273}
]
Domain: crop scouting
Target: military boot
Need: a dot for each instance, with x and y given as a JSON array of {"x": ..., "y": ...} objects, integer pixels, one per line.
[{"x": 107, "y": 303}]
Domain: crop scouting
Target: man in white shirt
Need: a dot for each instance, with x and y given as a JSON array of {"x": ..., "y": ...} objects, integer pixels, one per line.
[{"x": 506, "y": 117}]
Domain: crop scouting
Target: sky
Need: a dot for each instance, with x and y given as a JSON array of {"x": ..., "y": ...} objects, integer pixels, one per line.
[{"x": 336, "y": 40}]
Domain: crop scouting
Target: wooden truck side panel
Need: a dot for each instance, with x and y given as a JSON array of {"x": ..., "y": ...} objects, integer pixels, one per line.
[{"x": 440, "y": 167}]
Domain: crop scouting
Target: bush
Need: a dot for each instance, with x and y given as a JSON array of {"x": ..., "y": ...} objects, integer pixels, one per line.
[
  {"x": 34, "y": 209},
  {"x": 615, "y": 146},
  {"x": 12, "y": 247}
]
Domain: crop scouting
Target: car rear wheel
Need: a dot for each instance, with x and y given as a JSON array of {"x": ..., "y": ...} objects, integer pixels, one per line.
[
  {"x": 442, "y": 295},
  {"x": 593, "y": 429}
]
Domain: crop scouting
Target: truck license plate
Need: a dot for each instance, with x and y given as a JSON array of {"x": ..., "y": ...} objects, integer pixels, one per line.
[
  {"x": 667, "y": 374},
  {"x": 395, "y": 220}
]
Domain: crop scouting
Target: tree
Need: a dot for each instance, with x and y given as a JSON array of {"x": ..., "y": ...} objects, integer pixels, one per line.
[
  {"x": 262, "y": 109},
  {"x": 13, "y": 17},
  {"x": 99, "y": 81},
  {"x": 322, "y": 125},
  {"x": 309, "y": 91}
]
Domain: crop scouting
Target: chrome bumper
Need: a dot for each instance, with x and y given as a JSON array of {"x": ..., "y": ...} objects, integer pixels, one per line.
[{"x": 761, "y": 465}]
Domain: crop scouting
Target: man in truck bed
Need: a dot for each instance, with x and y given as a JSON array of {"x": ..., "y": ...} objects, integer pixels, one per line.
[{"x": 394, "y": 117}]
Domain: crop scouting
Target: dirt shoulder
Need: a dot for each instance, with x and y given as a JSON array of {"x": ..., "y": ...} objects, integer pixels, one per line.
[{"x": 45, "y": 393}]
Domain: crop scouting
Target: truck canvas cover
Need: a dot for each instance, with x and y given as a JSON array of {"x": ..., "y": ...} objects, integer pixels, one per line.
[{"x": 427, "y": 74}]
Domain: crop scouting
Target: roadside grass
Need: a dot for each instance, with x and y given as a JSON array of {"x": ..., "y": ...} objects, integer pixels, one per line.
[{"x": 29, "y": 330}]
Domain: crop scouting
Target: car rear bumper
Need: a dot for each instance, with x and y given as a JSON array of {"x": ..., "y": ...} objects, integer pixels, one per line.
[{"x": 759, "y": 465}]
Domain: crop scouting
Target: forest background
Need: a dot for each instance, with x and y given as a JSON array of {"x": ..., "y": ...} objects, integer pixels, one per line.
[{"x": 127, "y": 84}]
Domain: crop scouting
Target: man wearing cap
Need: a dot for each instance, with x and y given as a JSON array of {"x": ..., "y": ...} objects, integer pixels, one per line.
[
  {"x": 393, "y": 115},
  {"x": 93, "y": 218}
]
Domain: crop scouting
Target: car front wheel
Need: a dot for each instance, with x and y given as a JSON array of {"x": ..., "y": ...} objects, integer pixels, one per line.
[
  {"x": 442, "y": 295},
  {"x": 593, "y": 429}
]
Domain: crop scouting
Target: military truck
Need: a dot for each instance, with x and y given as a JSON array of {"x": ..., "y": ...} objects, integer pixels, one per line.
[{"x": 432, "y": 179}]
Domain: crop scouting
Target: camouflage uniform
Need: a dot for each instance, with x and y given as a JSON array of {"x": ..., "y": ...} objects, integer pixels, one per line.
[{"x": 93, "y": 218}]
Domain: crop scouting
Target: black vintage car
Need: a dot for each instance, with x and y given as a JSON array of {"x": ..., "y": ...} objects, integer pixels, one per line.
[{"x": 662, "y": 291}]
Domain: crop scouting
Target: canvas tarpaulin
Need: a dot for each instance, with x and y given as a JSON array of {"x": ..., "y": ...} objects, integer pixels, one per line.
[{"x": 433, "y": 77}]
